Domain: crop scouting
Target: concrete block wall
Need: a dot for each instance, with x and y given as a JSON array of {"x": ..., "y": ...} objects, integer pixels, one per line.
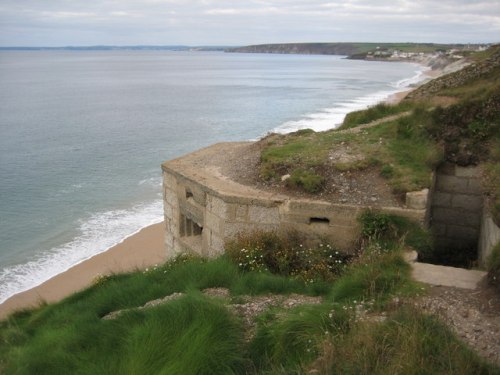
[
  {"x": 488, "y": 238},
  {"x": 199, "y": 218},
  {"x": 456, "y": 207}
]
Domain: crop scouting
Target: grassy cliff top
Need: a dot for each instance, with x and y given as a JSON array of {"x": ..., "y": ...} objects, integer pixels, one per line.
[
  {"x": 350, "y": 49},
  {"x": 452, "y": 118}
]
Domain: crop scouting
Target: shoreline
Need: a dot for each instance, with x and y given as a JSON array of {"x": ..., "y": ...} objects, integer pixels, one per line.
[
  {"x": 142, "y": 249},
  {"x": 124, "y": 257}
]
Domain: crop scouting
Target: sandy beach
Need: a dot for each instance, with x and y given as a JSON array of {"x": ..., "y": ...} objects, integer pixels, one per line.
[{"x": 141, "y": 250}]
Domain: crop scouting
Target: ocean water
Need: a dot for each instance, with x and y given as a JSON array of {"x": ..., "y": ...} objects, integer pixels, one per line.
[{"x": 83, "y": 134}]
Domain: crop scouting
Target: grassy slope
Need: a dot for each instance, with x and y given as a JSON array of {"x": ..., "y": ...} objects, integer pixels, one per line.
[
  {"x": 354, "y": 49},
  {"x": 200, "y": 335},
  {"x": 400, "y": 150},
  {"x": 405, "y": 151}
]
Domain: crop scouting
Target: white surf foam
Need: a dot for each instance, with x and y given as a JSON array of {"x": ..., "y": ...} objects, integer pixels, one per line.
[
  {"x": 100, "y": 232},
  {"x": 331, "y": 118}
]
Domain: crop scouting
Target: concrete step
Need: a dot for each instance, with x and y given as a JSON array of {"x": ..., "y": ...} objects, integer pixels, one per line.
[{"x": 443, "y": 275}]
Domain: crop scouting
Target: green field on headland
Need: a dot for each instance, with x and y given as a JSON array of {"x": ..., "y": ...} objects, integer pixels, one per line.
[
  {"x": 355, "y": 50},
  {"x": 274, "y": 304}
]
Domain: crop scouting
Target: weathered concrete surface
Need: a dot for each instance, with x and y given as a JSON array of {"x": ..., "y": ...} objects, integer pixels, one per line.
[
  {"x": 204, "y": 208},
  {"x": 444, "y": 275},
  {"x": 488, "y": 238}
]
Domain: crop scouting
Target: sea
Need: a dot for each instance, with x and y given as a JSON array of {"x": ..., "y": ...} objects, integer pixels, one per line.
[{"x": 83, "y": 135}]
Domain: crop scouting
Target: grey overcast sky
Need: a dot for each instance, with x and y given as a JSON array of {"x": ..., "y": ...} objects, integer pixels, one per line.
[{"x": 224, "y": 22}]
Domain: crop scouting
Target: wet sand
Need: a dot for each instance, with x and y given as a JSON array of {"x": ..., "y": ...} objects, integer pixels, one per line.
[{"x": 141, "y": 250}]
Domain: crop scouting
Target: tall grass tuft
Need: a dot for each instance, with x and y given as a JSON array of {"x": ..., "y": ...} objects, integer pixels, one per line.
[
  {"x": 192, "y": 335},
  {"x": 288, "y": 341},
  {"x": 287, "y": 254},
  {"x": 408, "y": 343},
  {"x": 376, "y": 112}
]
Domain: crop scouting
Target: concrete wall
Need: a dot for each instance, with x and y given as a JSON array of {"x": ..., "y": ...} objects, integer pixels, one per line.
[
  {"x": 199, "y": 218},
  {"x": 488, "y": 238},
  {"x": 457, "y": 207}
]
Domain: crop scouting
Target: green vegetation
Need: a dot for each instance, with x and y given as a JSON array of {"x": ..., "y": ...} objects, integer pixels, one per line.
[
  {"x": 492, "y": 178},
  {"x": 287, "y": 255},
  {"x": 356, "y": 329},
  {"x": 407, "y": 342},
  {"x": 307, "y": 180},
  {"x": 452, "y": 118},
  {"x": 354, "y": 50},
  {"x": 374, "y": 113},
  {"x": 400, "y": 150}
]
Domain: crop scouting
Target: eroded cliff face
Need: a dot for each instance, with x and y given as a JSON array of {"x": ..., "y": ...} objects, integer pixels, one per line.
[{"x": 474, "y": 71}]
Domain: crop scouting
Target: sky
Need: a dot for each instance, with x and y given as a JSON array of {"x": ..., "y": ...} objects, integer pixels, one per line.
[{"x": 232, "y": 23}]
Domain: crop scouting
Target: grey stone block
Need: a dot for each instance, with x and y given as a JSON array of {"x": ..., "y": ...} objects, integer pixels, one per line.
[
  {"x": 438, "y": 230},
  {"x": 441, "y": 199},
  {"x": 446, "y": 215},
  {"x": 461, "y": 232},
  {"x": 417, "y": 199},
  {"x": 447, "y": 169},
  {"x": 474, "y": 186},
  {"x": 467, "y": 202},
  {"x": 467, "y": 171},
  {"x": 452, "y": 184}
]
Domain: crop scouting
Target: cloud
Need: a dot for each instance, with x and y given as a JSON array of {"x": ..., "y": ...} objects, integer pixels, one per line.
[{"x": 198, "y": 22}]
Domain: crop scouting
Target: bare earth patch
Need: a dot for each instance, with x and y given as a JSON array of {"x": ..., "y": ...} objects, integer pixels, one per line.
[{"x": 363, "y": 187}]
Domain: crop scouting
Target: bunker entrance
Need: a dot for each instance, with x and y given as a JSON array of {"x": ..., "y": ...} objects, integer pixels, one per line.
[{"x": 456, "y": 211}]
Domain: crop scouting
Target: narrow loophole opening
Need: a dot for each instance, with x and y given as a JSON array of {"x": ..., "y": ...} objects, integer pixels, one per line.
[{"x": 319, "y": 220}]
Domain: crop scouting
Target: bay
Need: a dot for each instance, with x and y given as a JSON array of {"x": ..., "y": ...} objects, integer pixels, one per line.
[{"x": 83, "y": 134}]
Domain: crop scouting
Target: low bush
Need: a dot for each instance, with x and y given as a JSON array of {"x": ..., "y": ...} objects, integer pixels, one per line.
[
  {"x": 392, "y": 230},
  {"x": 287, "y": 255},
  {"x": 465, "y": 128},
  {"x": 307, "y": 180}
]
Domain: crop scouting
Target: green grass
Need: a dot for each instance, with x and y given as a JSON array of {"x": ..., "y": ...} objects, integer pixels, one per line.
[
  {"x": 374, "y": 113},
  {"x": 290, "y": 340},
  {"x": 307, "y": 180},
  {"x": 196, "y": 334},
  {"x": 200, "y": 335},
  {"x": 408, "y": 342},
  {"x": 405, "y": 151},
  {"x": 288, "y": 254},
  {"x": 401, "y": 150}
]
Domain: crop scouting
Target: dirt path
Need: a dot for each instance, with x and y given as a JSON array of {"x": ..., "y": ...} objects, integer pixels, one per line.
[{"x": 464, "y": 302}]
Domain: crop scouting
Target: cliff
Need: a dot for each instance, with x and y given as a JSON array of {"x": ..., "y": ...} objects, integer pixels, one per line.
[{"x": 376, "y": 51}]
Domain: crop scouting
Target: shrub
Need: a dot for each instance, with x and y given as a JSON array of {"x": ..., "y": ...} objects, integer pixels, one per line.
[
  {"x": 375, "y": 225},
  {"x": 309, "y": 181},
  {"x": 391, "y": 229},
  {"x": 465, "y": 127},
  {"x": 286, "y": 255},
  {"x": 387, "y": 171}
]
